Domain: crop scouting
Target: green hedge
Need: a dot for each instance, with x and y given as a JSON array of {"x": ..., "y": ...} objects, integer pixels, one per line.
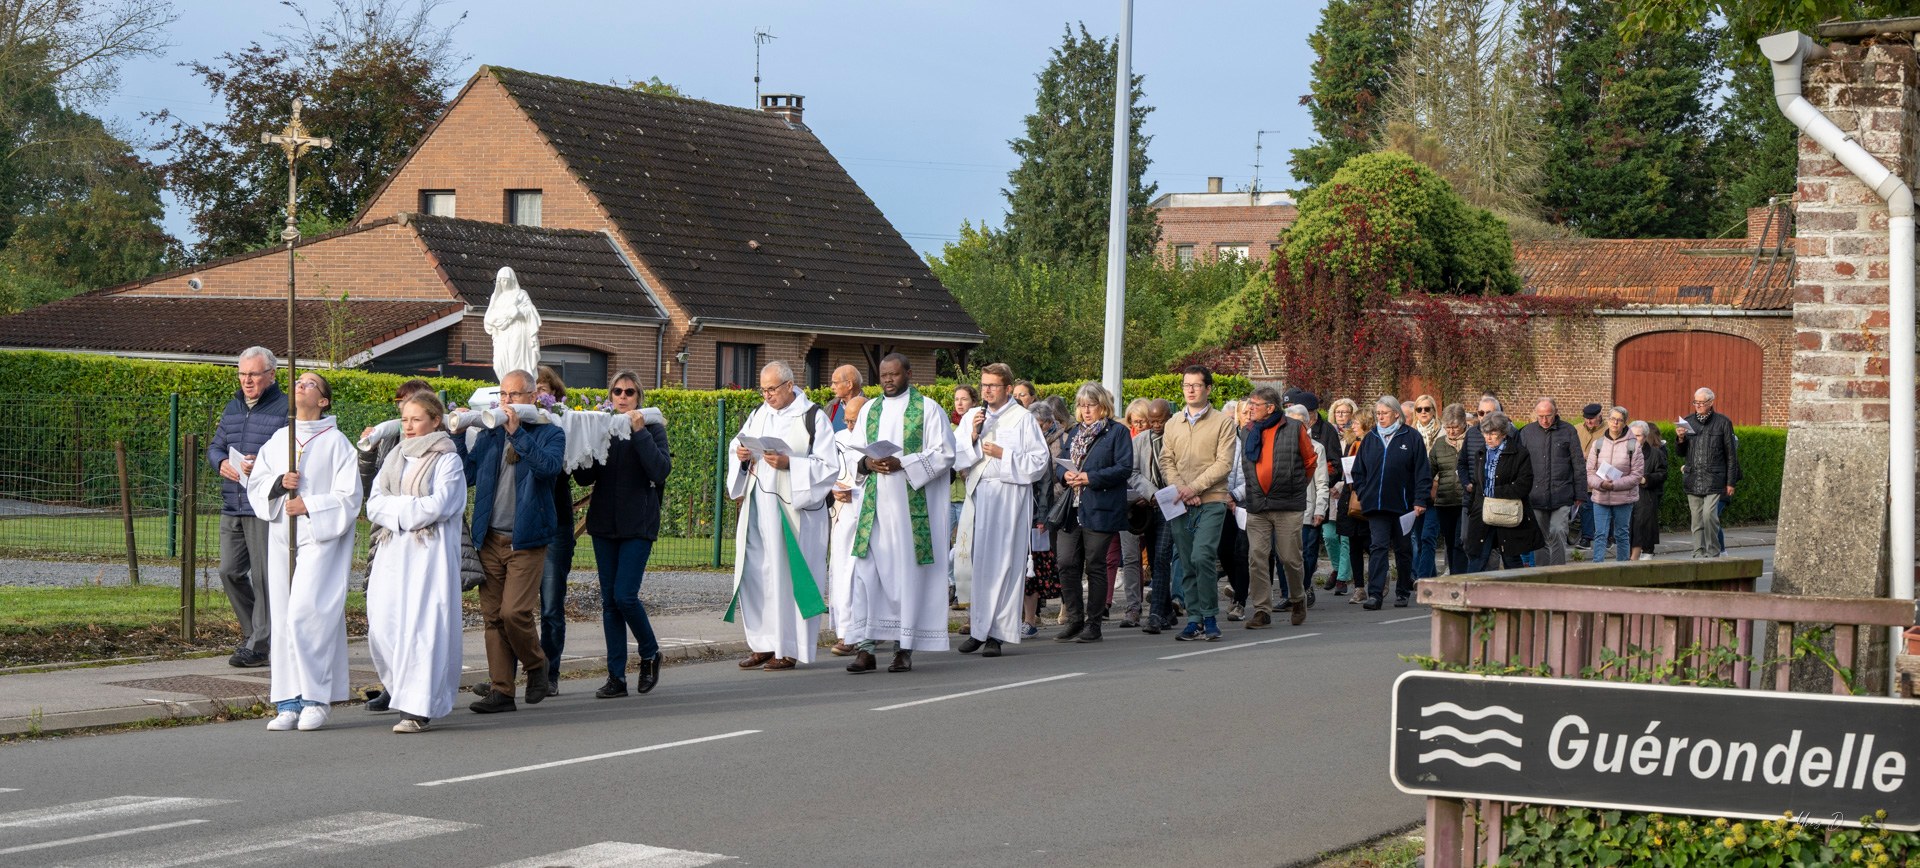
[{"x": 1763, "y": 458}]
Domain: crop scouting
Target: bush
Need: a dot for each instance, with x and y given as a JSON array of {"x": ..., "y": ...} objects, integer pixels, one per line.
[
  {"x": 1763, "y": 458},
  {"x": 1537, "y": 835}
]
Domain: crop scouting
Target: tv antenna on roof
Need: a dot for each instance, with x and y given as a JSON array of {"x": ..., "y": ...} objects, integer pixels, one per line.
[
  {"x": 1254, "y": 197},
  {"x": 761, "y": 36}
]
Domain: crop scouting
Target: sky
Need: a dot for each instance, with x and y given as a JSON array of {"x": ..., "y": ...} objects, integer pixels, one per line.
[{"x": 917, "y": 99}]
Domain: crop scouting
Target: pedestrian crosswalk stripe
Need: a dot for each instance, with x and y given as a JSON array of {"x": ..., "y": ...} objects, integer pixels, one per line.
[
  {"x": 280, "y": 844},
  {"x": 81, "y": 812},
  {"x": 119, "y": 833},
  {"x": 614, "y": 854}
]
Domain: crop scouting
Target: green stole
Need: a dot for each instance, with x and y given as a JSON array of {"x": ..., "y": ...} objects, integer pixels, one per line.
[
  {"x": 806, "y": 592},
  {"x": 916, "y": 428}
]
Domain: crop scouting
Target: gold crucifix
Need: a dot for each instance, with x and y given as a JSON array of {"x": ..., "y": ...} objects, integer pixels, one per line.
[{"x": 295, "y": 142}]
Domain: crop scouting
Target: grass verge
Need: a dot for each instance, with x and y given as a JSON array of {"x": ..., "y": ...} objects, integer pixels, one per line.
[{"x": 1405, "y": 848}]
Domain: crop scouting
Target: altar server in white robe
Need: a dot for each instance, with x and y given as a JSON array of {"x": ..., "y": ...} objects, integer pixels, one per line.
[
  {"x": 900, "y": 543},
  {"x": 1001, "y": 448},
  {"x": 783, "y": 495},
  {"x": 845, "y": 517},
  {"x": 320, "y": 494},
  {"x": 413, "y": 585}
]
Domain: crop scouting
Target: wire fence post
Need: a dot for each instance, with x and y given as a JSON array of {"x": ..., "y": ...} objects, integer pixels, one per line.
[
  {"x": 173, "y": 472},
  {"x": 189, "y": 562},
  {"x": 126, "y": 511},
  {"x": 719, "y": 471}
]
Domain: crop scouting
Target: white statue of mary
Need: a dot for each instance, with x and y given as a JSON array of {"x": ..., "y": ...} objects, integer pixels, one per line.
[{"x": 515, "y": 326}]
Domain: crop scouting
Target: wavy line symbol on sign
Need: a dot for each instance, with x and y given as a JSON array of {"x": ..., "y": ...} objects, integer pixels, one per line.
[{"x": 1490, "y": 755}]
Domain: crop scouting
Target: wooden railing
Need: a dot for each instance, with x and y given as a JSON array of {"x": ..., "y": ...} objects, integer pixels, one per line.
[{"x": 1689, "y": 622}]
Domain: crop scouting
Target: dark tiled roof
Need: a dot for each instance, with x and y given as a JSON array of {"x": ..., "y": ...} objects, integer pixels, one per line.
[
  {"x": 564, "y": 271},
  {"x": 204, "y": 326},
  {"x": 1672, "y": 271},
  {"x": 745, "y": 218}
]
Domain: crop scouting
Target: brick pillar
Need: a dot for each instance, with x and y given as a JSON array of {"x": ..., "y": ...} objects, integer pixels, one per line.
[{"x": 1833, "y": 512}]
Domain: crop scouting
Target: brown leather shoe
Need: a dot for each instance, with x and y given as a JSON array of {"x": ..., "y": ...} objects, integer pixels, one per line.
[
  {"x": 1259, "y": 620},
  {"x": 902, "y": 662},
  {"x": 780, "y": 664},
  {"x": 842, "y": 649},
  {"x": 756, "y": 660},
  {"x": 1299, "y": 612},
  {"x": 862, "y": 662}
]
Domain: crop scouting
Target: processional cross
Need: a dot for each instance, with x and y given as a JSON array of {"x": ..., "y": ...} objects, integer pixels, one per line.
[{"x": 295, "y": 142}]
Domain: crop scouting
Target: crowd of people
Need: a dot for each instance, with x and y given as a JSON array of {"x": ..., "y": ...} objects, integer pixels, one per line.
[{"x": 877, "y": 516}]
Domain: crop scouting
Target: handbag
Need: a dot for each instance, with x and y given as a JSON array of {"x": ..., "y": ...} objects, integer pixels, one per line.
[
  {"x": 1140, "y": 517},
  {"x": 1061, "y": 507},
  {"x": 1502, "y": 512}
]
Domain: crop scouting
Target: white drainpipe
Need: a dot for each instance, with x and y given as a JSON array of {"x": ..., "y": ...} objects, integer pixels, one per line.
[{"x": 1789, "y": 51}]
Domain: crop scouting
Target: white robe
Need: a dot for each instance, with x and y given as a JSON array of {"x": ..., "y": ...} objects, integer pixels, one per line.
[
  {"x": 846, "y": 520},
  {"x": 413, "y": 591},
  {"x": 763, "y": 580},
  {"x": 309, "y": 608},
  {"x": 991, "y": 543},
  {"x": 894, "y": 597}
]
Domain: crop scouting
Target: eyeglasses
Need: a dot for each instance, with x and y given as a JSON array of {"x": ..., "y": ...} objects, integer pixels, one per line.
[
  {"x": 623, "y": 393},
  {"x": 1701, "y": 403},
  {"x": 519, "y": 394},
  {"x": 305, "y": 384},
  {"x": 776, "y": 388}
]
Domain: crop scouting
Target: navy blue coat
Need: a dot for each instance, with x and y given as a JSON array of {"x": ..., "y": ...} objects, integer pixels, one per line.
[
  {"x": 1108, "y": 465},
  {"x": 1393, "y": 477},
  {"x": 242, "y": 431},
  {"x": 542, "y": 451},
  {"x": 628, "y": 487}
]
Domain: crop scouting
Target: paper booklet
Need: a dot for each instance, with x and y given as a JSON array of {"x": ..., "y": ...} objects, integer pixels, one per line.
[
  {"x": 1171, "y": 506},
  {"x": 876, "y": 449}
]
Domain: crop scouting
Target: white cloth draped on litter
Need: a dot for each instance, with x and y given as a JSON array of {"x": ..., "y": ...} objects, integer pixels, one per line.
[
  {"x": 991, "y": 543},
  {"x": 309, "y": 647},
  {"x": 894, "y": 596},
  {"x": 413, "y": 588},
  {"x": 771, "y": 593}
]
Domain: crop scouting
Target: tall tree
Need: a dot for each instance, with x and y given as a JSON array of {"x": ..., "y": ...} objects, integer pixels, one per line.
[
  {"x": 1627, "y": 123},
  {"x": 1354, "y": 49},
  {"x": 1058, "y": 196},
  {"x": 373, "y": 75}
]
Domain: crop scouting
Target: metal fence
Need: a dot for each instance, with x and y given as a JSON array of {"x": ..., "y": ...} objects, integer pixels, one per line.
[{"x": 62, "y": 497}]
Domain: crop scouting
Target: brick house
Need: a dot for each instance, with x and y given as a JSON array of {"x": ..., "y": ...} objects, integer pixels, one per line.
[
  {"x": 688, "y": 241},
  {"x": 1215, "y": 223}
]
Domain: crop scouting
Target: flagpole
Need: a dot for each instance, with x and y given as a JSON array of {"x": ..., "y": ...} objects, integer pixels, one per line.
[{"x": 1110, "y": 368}]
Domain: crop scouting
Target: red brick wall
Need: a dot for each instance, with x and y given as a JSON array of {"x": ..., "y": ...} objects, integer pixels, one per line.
[
  {"x": 1258, "y": 227},
  {"x": 385, "y": 262}
]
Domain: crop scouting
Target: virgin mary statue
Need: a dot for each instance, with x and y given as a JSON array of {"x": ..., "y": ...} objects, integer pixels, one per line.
[{"x": 514, "y": 325}]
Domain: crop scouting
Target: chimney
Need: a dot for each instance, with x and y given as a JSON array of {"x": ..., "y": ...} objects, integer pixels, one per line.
[
  {"x": 786, "y": 105},
  {"x": 1770, "y": 226},
  {"x": 1213, "y": 183}
]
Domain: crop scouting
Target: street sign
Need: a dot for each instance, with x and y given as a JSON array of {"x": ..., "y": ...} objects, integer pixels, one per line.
[{"x": 1682, "y": 750}]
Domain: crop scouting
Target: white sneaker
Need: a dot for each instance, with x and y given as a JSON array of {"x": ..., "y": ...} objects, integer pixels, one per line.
[
  {"x": 313, "y": 717},
  {"x": 410, "y": 726},
  {"x": 1646, "y": 557},
  {"x": 283, "y": 721}
]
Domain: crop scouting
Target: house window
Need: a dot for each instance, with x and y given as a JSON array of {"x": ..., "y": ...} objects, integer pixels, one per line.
[
  {"x": 523, "y": 207},
  {"x": 436, "y": 203},
  {"x": 816, "y": 376},
  {"x": 1231, "y": 249},
  {"x": 1183, "y": 255},
  {"x": 737, "y": 368}
]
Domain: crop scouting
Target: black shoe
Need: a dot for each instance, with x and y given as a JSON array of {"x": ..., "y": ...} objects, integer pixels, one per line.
[
  {"x": 1400, "y": 602},
  {"x": 970, "y": 646},
  {"x": 1090, "y": 634},
  {"x": 993, "y": 648},
  {"x": 538, "y": 687},
  {"x": 614, "y": 687},
  {"x": 1372, "y": 604},
  {"x": 1129, "y": 623},
  {"x": 1071, "y": 633},
  {"x": 649, "y": 673},
  {"x": 862, "y": 662},
  {"x": 1310, "y": 598},
  {"x": 1152, "y": 627},
  {"x": 902, "y": 662},
  {"x": 494, "y": 703},
  {"x": 379, "y": 701},
  {"x": 247, "y": 658}
]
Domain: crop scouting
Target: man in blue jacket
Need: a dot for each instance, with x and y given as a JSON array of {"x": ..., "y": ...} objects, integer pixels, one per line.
[
  {"x": 512, "y": 470},
  {"x": 257, "y": 410},
  {"x": 1393, "y": 478}
]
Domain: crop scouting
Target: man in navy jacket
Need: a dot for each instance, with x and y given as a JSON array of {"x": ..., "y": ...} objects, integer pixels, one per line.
[
  {"x": 257, "y": 410},
  {"x": 512, "y": 470}
]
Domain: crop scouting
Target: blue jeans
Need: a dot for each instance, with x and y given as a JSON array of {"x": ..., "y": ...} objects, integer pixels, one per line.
[
  {"x": 1613, "y": 523},
  {"x": 623, "y": 563},
  {"x": 1309, "y": 549},
  {"x": 1383, "y": 530},
  {"x": 1157, "y": 543},
  {"x": 294, "y": 704},
  {"x": 553, "y": 600},
  {"x": 1426, "y": 532},
  {"x": 1589, "y": 530},
  {"x": 1720, "y": 513}
]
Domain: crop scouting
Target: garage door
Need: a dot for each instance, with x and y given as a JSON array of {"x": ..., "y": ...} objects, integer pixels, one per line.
[{"x": 1654, "y": 375}]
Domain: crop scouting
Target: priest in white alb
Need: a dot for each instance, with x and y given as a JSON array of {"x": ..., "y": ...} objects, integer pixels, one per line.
[
  {"x": 1000, "y": 446},
  {"x": 900, "y": 543},
  {"x": 320, "y": 495},
  {"x": 782, "y": 476}
]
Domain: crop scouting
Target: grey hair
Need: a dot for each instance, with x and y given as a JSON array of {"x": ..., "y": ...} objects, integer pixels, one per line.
[
  {"x": 1710, "y": 395},
  {"x": 525, "y": 376},
  {"x": 1624, "y": 415},
  {"x": 859, "y": 379},
  {"x": 1297, "y": 411},
  {"x": 1497, "y": 406},
  {"x": 1454, "y": 414},
  {"x": 782, "y": 368},
  {"x": 1647, "y": 429},
  {"x": 1495, "y": 422},
  {"x": 258, "y": 353},
  {"x": 1042, "y": 412},
  {"x": 1094, "y": 393},
  {"x": 1393, "y": 404}
]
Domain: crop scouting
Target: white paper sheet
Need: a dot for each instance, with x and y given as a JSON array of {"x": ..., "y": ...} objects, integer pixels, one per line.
[
  {"x": 1406, "y": 522},
  {"x": 876, "y": 449},
  {"x": 1346, "y": 465},
  {"x": 1065, "y": 465},
  {"x": 1609, "y": 472},
  {"x": 1171, "y": 506},
  {"x": 1684, "y": 425},
  {"x": 1041, "y": 540},
  {"x": 1240, "y": 517},
  {"x": 760, "y": 446}
]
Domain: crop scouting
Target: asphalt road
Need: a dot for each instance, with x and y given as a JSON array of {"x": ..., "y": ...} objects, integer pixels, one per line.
[{"x": 1263, "y": 749}]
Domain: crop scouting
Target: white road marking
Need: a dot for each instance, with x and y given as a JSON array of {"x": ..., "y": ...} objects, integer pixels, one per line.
[
  {"x": 281, "y": 844},
  {"x": 1240, "y": 646},
  {"x": 614, "y": 854},
  {"x": 81, "y": 812},
  {"x": 1405, "y": 620},
  {"x": 9, "y": 789},
  {"x": 585, "y": 759},
  {"x": 978, "y": 692},
  {"x": 24, "y": 848}
]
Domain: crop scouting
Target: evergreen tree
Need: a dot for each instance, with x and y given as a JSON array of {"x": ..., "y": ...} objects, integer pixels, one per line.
[
  {"x": 1058, "y": 196},
  {"x": 1627, "y": 124},
  {"x": 1754, "y": 152},
  {"x": 1354, "y": 48}
]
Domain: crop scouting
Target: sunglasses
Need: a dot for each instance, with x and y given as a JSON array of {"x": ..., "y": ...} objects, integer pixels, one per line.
[
  {"x": 623, "y": 393},
  {"x": 1423, "y": 409}
]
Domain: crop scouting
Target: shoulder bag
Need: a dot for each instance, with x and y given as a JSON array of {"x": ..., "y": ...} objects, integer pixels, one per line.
[{"x": 1502, "y": 511}]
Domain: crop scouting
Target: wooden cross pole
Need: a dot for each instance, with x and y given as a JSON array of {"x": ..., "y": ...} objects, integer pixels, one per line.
[{"x": 295, "y": 142}]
